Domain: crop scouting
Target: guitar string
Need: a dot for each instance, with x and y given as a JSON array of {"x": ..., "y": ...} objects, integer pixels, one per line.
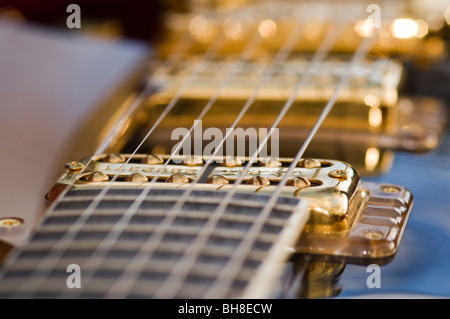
[
  {"x": 134, "y": 103},
  {"x": 109, "y": 242},
  {"x": 150, "y": 132},
  {"x": 30, "y": 284},
  {"x": 275, "y": 197},
  {"x": 140, "y": 261},
  {"x": 181, "y": 270},
  {"x": 244, "y": 248},
  {"x": 179, "y": 49},
  {"x": 223, "y": 280}
]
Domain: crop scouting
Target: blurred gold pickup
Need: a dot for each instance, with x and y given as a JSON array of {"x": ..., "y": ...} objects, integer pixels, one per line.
[
  {"x": 371, "y": 92},
  {"x": 367, "y": 122},
  {"x": 407, "y": 28},
  {"x": 371, "y": 118}
]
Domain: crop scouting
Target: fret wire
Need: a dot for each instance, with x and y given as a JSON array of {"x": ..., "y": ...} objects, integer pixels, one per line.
[
  {"x": 218, "y": 288},
  {"x": 123, "y": 222},
  {"x": 284, "y": 51},
  {"x": 30, "y": 284},
  {"x": 182, "y": 268}
]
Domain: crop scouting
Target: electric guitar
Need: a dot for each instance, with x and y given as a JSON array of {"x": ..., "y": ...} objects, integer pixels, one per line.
[{"x": 150, "y": 215}]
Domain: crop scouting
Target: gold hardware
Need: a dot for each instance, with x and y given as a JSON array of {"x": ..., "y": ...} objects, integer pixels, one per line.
[
  {"x": 309, "y": 163},
  {"x": 274, "y": 24},
  {"x": 258, "y": 180},
  {"x": 298, "y": 182},
  {"x": 338, "y": 174},
  {"x": 177, "y": 178},
  {"x": 10, "y": 222},
  {"x": 336, "y": 197},
  {"x": 96, "y": 177},
  {"x": 217, "y": 179},
  {"x": 231, "y": 161},
  {"x": 269, "y": 162},
  {"x": 372, "y": 234},
  {"x": 114, "y": 158},
  {"x": 136, "y": 178},
  {"x": 193, "y": 161},
  {"x": 152, "y": 159},
  {"x": 74, "y": 166},
  {"x": 390, "y": 189}
]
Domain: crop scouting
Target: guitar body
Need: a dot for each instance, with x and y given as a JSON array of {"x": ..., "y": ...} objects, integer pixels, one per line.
[
  {"x": 419, "y": 270},
  {"x": 53, "y": 112}
]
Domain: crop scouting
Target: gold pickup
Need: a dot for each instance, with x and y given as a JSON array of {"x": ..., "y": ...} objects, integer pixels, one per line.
[
  {"x": 347, "y": 217},
  {"x": 367, "y": 123},
  {"x": 371, "y": 118},
  {"x": 366, "y": 104},
  {"x": 121, "y": 210},
  {"x": 405, "y": 28}
]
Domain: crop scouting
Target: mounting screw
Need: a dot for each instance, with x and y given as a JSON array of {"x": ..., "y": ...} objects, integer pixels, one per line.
[
  {"x": 152, "y": 159},
  {"x": 136, "y": 178},
  {"x": 114, "y": 158},
  {"x": 177, "y": 178},
  {"x": 97, "y": 177},
  {"x": 338, "y": 174},
  {"x": 390, "y": 189},
  {"x": 298, "y": 182},
  {"x": 231, "y": 161},
  {"x": 193, "y": 160},
  {"x": 269, "y": 162},
  {"x": 217, "y": 179},
  {"x": 372, "y": 234},
  {"x": 258, "y": 180},
  {"x": 74, "y": 166},
  {"x": 309, "y": 163},
  {"x": 10, "y": 222}
]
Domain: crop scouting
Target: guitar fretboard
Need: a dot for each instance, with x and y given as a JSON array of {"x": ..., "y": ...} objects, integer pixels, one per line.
[{"x": 137, "y": 264}]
